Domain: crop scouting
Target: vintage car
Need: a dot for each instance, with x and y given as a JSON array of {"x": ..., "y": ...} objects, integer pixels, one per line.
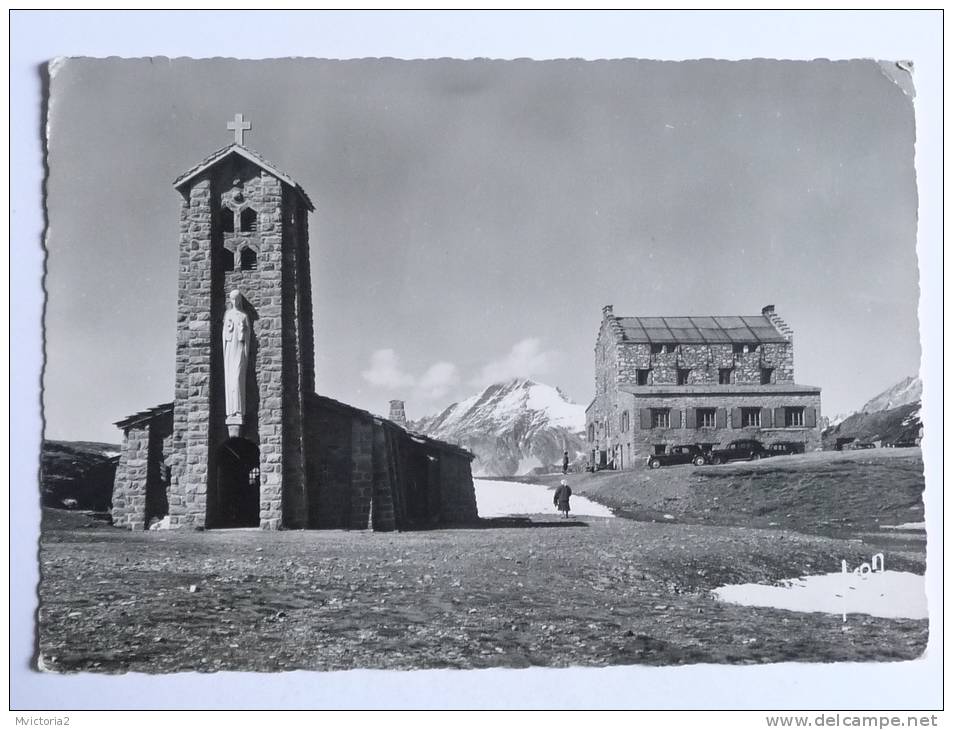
[
  {"x": 743, "y": 449},
  {"x": 860, "y": 445},
  {"x": 688, "y": 454},
  {"x": 783, "y": 448}
]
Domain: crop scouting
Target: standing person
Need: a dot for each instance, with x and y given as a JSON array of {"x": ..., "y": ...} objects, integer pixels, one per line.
[
  {"x": 561, "y": 498},
  {"x": 565, "y": 462}
]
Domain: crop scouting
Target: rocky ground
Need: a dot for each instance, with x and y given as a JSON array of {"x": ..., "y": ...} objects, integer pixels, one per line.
[{"x": 540, "y": 592}]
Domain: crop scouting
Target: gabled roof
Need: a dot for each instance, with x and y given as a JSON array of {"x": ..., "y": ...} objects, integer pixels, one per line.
[
  {"x": 420, "y": 438},
  {"x": 702, "y": 330},
  {"x": 146, "y": 415},
  {"x": 252, "y": 157}
]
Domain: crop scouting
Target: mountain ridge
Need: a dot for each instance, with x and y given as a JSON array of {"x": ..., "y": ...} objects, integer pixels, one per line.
[
  {"x": 513, "y": 427},
  {"x": 891, "y": 417}
]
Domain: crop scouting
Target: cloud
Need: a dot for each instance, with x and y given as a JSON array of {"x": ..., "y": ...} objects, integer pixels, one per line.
[
  {"x": 524, "y": 360},
  {"x": 385, "y": 372},
  {"x": 438, "y": 380}
]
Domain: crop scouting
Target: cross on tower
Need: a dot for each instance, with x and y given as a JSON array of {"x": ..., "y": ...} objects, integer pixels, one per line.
[{"x": 240, "y": 126}]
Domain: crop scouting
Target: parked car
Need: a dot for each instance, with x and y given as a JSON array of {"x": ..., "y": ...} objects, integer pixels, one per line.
[
  {"x": 784, "y": 448},
  {"x": 743, "y": 449},
  {"x": 860, "y": 445},
  {"x": 687, "y": 454}
]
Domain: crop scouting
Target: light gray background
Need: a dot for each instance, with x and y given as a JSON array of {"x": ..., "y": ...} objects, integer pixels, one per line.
[
  {"x": 38, "y": 37},
  {"x": 474, "y": 216}
]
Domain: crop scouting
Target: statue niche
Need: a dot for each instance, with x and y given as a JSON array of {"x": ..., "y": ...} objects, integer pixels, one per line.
[{"x": 236, "y": 343}]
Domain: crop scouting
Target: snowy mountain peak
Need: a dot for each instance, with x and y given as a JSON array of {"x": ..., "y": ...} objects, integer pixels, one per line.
[
  {"x": 906, "y": 391},
  {"x": 512, "y": 427}
]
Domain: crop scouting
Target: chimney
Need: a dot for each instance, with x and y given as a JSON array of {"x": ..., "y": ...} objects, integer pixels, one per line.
[
  {"x": 607, "y": 311},
  {"x": 397, "y": 414},
  {"x": 782, "y": 326}
]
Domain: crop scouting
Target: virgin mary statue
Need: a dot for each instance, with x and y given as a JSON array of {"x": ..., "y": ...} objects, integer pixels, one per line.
[{"x": 236, "y": 338}]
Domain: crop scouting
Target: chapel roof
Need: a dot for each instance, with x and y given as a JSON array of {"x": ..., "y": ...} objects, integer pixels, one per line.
[
  {"x": 147, "y": 415},
  {"x": 702, "y": 330},
  {"x": 253, "y": 157}
]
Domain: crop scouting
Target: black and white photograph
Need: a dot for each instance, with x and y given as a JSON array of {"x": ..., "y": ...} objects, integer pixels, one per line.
[{"x": 474, "y": 363}]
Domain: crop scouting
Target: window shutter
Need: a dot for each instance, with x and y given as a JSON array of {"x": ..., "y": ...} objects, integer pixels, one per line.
[
  {"x": 645, "y": 417},
  {"x": 810, "y": 418},
  {"x": 766, "y": 418},
  {"x": 778, "y": 417},
  {"x": 675, "y": 418},
  {"x": 721, "y": 418},
  {"x": 691, "y": 420},
  {"x": 736, "y": 418}
]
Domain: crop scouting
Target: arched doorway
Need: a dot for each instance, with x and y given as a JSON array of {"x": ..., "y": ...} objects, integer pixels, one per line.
[{"x": 239, "y": 481}]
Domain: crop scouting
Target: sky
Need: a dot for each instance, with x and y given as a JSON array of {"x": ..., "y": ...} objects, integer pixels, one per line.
[{"x": 473, "y": 217}]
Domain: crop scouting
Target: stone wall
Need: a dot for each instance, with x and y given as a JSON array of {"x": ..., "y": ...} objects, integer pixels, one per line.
[
  {"x": 129, "y": 487},
  {"x": 141, "y": 485},
  {"x": 632, "y": 445},
  {"x": 703, "y": 363},
  {"x": 368, "y": 473},
  {"x": 193, "y": 360}
]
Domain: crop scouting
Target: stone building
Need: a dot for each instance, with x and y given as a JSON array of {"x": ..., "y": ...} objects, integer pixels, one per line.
[
  {"x": 667, "y": 381},
  {"x": 272, "y": 453}
]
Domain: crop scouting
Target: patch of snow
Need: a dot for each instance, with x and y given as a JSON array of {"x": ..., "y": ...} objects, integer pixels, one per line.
[
  {"x": 906, "y": 526},
  {"x": 503, "y": 499},
  {"x": 886, "y": 594},
  {"x": 559, "y": 411}
]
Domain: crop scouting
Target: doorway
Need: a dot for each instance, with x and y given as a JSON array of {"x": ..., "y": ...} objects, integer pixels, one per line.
[{"x": 239, "y": 484}]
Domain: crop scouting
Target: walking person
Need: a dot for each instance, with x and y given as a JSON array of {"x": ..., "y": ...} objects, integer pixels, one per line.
[
  {"x": 561, "y": 498},
  {"x": 565, "y": 462}
]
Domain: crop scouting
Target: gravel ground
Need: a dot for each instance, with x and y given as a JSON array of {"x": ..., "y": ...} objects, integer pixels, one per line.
[{"x": 592, "y": 591}]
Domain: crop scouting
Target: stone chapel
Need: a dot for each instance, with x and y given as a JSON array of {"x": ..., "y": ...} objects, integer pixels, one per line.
[{"x": 246, "y": 441}]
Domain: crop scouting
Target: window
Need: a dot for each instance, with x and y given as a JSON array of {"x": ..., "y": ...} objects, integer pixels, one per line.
[
  {"x": 681, "y": 375},
  {"x": 669, "y": 348},
  {"x": 227, "y": 220},
  {"x": 249, "y": 259},
  {"x": 249, "y": 220},
  {"x": 656, "y": 349},
  {"x": 228, "y": 260},
  {"x": 705, "y": 417},
  {"x": 660, "y": 418},
  {"x": 794, "y": 417},
  {"x": 592, "y": 432},
  {"x": 642, "y": 377},
  {"x": 624, "y": 421},
  {"x": 724, "y": 376},
  {"x": 750, "y": 417},
  {"x": 659, "y": 449},
  {"x": 766, "y": 374}
]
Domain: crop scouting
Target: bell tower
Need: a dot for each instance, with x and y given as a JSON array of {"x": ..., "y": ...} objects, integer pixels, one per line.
[{"x": 243, "y": 227}]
